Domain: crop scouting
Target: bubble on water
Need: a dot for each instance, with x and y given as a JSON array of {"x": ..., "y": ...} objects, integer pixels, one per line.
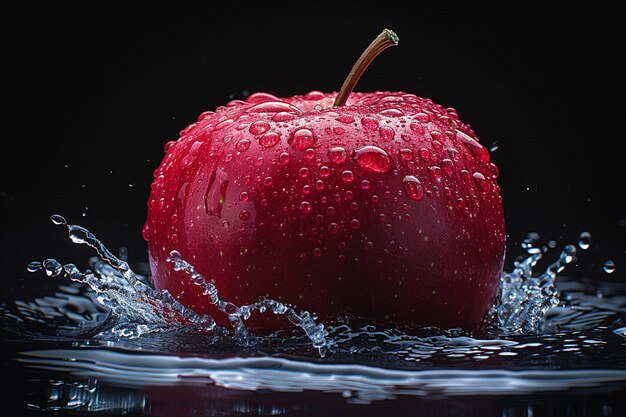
[
  {"x": 584, "y": 240},
  {"x": 609, "y": 267},
  {"x": 374, "y": 160},
  {"x": 58, "y": 219},
  {"x": 413, "y": 188},
  {"x": 301, "y": 139},
  {"x": 269, "y": 139}
]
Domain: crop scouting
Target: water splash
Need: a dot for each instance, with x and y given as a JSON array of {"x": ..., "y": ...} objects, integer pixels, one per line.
[
  {"x": 528, "y": 303},
  {"x": 139, "y": 308},
  {"x": 524, "y": 298}
]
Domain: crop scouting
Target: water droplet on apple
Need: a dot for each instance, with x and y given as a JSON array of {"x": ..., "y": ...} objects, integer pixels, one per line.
[
  {"x": 424, "y": 153},
  {"x": 406, "y": 154},
  {"x": 392, "y": 112},
  {"x": 306, "y": 190},
  {"x": 609, "y": 267},
  {"x": 347, "y": 176},
  {"x": 482, "y": 182},
  {"x": 447, "y": 166},
  {"x": 324, "y": 171},
  {"x": 243, "y": 197},
  {"x": 333, "y": 228},
  {"x": 373, "y": 159},
  {"x": 274, "y": 107},
  {"x": 306, "y": 208},
  {"x": 269, "y": 139},
  {"x": 317, "y": 252},
  {"x": 319, "y": 185},
  {"x": 283, "y": 117},
  {"x": 244, "y": 215},
  {"x": 369, "y": 123},
  {"x": 345, "y": 118},
  {"x": 435, "y": 172},
  {"x": 259, "y": 127},
  {"x": 216, "y": 193},
  {"x": 584, "y": 240},
  {"x": 303, "y": 172},
  {"x": 386, "y": 133},
  {"x": 268, "y": 181},
  {"x": 337, "y": 155},
  {"x": 309, "y": 154},
  {"x": 169, "y": 145},
  {"x": 355, "y": 224},
  {"x": 174, "y": 238},
  {"x": 422, "y": 117},
  {"x": 365, "y": 185},
  {"x": 413, "y": 188},
  {"x": 436, "y": 145},
  {"x": 479, "y": 151},
  {"x": 284, "y": 158},
  {"x": 242, "y": 145},
  {"x": 301, "y": 139},
  {"x": 145, "y": 231}
]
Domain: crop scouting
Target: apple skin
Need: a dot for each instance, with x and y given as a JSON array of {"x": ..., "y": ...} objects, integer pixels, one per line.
[{"x": 405, "y": 224}]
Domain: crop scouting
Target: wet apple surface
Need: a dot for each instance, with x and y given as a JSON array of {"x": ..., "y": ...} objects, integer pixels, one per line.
[{"x": 386, "y": 207}]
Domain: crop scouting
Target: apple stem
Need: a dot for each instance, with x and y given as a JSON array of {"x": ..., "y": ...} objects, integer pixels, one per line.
[{"x": 383, "y": 41}]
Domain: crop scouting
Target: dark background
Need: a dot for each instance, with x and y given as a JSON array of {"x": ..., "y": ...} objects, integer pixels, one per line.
[{"x": 92, "y": 94}]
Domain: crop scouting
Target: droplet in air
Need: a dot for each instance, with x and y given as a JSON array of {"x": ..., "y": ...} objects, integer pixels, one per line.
[
  {"x": 373, "y": 159},
  {"x": 34, "y": 266},
  {"x": 58, "y": 219},
  {"x": 584, "y": 240},
  {"x": 413, "y": 188},
  {"x": 52, "y": 267},
  {"x": 609, "y": 267}
]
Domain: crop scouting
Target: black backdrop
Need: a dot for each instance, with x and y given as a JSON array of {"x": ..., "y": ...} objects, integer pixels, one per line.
[{"x": 91, "y": 95}]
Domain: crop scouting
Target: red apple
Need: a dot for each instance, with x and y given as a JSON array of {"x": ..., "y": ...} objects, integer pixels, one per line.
[{"x": 383, "y": 206}]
